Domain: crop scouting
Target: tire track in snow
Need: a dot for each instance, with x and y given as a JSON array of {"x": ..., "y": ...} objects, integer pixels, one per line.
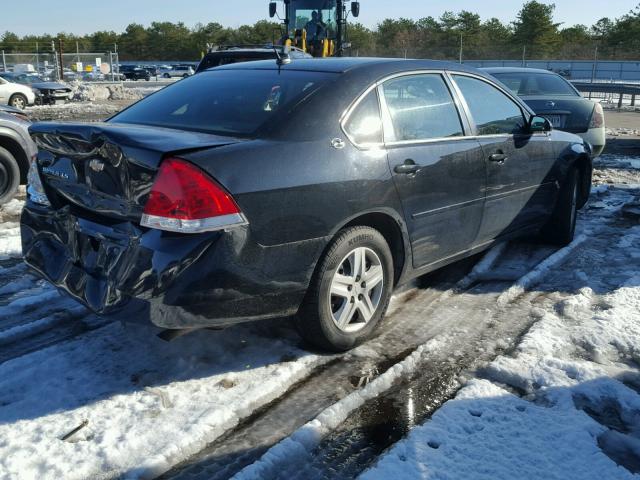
[{"x": 404, "y": 331}]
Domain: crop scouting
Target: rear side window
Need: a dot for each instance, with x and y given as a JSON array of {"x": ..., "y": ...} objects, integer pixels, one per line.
[
  {"x": 421, "y": 108},
  {"x": 493, "y": 112},
  {"x": 536, "y": 83},
  {"x": 227, "y": 102},
  {"x": 364, "y": 125}
]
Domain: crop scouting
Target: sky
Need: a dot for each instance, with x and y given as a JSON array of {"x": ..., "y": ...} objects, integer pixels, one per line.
[{"x": 86, "y": 16}]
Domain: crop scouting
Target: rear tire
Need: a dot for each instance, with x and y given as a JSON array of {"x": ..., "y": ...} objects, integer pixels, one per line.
[
  {"x": 9, "y": 176},
  {"x": 340, "y": 310},
  {"x": 18, "y": 100},
  {"x": 562, "y": 226}
]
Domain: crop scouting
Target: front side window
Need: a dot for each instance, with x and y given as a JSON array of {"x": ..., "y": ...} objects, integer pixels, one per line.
[
  {"x": 364, "y": 125},
  {"x": 421, "y": 108},
  {"x": 493, "y": 112}
]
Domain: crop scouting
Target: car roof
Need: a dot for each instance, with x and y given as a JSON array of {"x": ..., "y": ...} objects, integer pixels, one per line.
[
  {"x": 344, "y": 64},
  {"x": 516, "y": 70}
]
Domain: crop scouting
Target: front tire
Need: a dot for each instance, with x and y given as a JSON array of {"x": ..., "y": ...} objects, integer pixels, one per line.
[
  {"x": 18, "y": 100},
  {"x": 350, "y": 291},
  {"x": 9, "y": 176},
  {"x": 561, "y": 227}
]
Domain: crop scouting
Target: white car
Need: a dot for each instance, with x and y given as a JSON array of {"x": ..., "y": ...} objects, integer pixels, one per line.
[
  {"x": 182, "y": 71},
  {"x": 16, "y": 95}
]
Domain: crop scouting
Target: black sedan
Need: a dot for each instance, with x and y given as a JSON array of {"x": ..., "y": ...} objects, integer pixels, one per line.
[
  {"x": 47, "y": 93},
  {"x": 312, "y": 189},
  {"x": 553, "y": 97}
]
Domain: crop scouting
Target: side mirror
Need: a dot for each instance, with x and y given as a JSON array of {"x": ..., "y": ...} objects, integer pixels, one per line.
[
  {"x": 539, "y": 124},
  {"x": 273, "y": 8},
  {"x": 355, "y": 8}
]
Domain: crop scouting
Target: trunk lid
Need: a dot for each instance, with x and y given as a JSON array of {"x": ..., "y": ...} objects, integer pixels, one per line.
[
  {"x": 107, "y": 168},
  {"x": 571, "y": 114}
]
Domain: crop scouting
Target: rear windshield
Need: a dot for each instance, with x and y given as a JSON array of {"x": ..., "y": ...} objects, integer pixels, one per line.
[
  {"x": 229, "y": 102},
  {"x": 535, "y": 83}
]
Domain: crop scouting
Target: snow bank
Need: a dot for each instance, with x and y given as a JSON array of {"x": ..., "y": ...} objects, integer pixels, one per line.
[{"x": 89, "y": 92}]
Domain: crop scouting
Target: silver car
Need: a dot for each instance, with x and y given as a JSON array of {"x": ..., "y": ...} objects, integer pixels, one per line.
[{"x": 16, "y": 151}]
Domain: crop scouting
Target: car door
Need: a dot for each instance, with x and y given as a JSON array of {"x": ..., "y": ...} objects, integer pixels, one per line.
[
  {"x": 439, "y": 173},
  {"x": 520, "y": 187},
  {"x": 5, "y": 91}
]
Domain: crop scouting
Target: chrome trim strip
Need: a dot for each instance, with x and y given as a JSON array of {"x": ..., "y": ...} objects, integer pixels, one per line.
[
  {"x": 495, "y": 196},
  {"x": 447, "y": 207},
  {"x": 211, "y": 224}
]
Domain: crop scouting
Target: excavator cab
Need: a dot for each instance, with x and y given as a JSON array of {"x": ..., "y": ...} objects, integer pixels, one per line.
[{"x": 317, "y": 27}]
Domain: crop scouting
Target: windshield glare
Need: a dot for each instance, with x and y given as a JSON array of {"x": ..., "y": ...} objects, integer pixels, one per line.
[
  {"x": 535, "y": 83},
  {"x": 227, "y": 102}
]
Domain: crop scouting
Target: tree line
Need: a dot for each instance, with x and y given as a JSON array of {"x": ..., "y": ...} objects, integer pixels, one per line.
[{"x": 533, "y": 35}]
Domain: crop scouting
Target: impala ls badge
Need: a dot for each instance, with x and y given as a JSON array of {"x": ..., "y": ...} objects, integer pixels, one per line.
[
  {"x": 96, "y": 165},
  {"x": 55, "y": 173}
]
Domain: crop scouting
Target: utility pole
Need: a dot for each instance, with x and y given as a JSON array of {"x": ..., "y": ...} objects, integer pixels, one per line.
[
  {"x": 594, "y": 70},
  {"x": 61, "y": 59},
  {"x": 460, "y": 47},
  {"x": 524, "y": 55},
  {"x": 77, "y": 52}
]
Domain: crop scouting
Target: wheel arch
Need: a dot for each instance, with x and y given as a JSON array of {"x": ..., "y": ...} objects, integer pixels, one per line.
[
  {"x": 392, "y": 227},
  {"x": 585, "y": 168},
  {"x": 8, "y": 142}
]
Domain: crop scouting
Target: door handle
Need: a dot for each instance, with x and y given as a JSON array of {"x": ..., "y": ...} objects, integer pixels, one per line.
[
  {"x": 498, "y": 157},
  {"x": 408, "y": 167}
]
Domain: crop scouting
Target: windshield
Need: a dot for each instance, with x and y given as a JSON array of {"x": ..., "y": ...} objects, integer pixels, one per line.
[
  {"x": 317, "y": 17},
  {"x": 524, "y": 83},
  {"x": 226, "y": 102}
]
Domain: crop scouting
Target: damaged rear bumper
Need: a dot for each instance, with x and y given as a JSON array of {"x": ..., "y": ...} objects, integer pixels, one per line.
[{"x": 173, "y": 280}]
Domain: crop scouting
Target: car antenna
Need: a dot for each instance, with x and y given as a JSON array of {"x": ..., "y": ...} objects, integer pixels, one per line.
[{"x": 282, "y": 58}]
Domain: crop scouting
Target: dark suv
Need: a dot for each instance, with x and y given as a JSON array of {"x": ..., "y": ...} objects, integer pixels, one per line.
[
  {"x": 312, "y": 189},
  {"x": 226, "y": 55},
  {"x": 135, "y": 73}
]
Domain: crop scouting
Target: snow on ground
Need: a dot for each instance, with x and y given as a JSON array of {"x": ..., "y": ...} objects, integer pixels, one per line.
[
  {"x": 10, "y": 245},
  {"x": 147, "y": 404},
  {"x": 566, "y": 403}
]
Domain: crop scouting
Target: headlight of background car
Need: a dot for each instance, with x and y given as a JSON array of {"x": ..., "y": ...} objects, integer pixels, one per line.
[
  {"x": 37, "y": 92},
  {"x": 35, "y": 191}
]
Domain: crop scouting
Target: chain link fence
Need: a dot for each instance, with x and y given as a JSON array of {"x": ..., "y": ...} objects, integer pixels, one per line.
[{"x": 86, "y": 66}]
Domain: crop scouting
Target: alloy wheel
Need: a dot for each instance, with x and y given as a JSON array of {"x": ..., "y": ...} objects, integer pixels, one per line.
[
  {"x": 18, "y": 102},
  {"x": 356, "y": 289}
]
